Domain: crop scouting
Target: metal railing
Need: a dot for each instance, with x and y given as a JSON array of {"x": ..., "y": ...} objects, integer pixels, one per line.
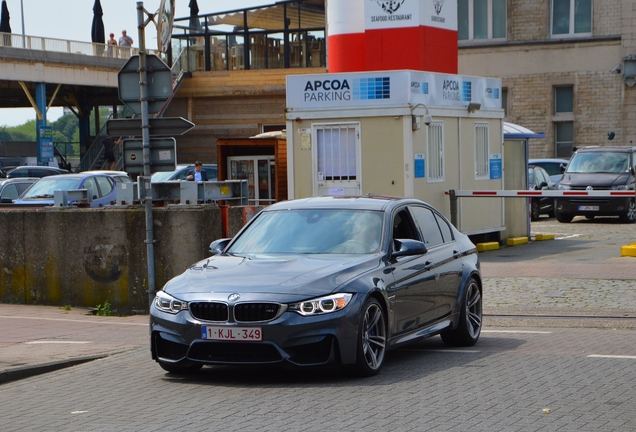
[{"x": 39, "y": 43}]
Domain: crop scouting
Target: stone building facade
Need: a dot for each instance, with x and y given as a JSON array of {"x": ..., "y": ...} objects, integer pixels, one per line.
[{"x": 561, "y": 69}]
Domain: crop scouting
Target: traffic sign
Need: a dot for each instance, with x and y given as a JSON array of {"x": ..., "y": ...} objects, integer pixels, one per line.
[
  {"x": 163, "y": 155},
  {"x": 159, "y": 126},
  {"x": 159, "y": 84}
]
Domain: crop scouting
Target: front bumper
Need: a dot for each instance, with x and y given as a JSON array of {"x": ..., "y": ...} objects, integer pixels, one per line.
[
  {"x": 597, "y": 206},
  {"x": 289, "y": 339}
]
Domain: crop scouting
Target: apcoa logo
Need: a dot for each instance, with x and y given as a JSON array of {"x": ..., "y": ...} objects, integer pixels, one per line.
[
  {"x": 390, "y": 6},
  {"x": 327, "y": 90}
]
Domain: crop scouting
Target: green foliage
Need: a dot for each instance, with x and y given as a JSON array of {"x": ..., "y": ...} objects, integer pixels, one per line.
[
  {"x": 65, "y": 308},
  {"x": 104, "y": 309}
]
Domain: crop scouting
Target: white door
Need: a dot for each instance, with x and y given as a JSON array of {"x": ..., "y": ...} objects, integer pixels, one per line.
[{"x": 336, "y": 159}]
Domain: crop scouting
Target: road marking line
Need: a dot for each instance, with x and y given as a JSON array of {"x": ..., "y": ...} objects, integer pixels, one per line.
[
  {"x": 516, "y": 331},
  {"x": 73, "y": 320},
  {"x": 567, "y": 237},
  {"x": 612, "y": 356},
  {"x": 441, "y": 350},
  {"x": 57, "y": 342}
]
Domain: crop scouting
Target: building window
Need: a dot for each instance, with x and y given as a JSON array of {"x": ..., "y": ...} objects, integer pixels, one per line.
[
  {"x": 481, "y": 19},
  {"x": 504, "y": 101},
  {"x": 336, "y": 147},
  {"x": 482, "y": 168},
  {"x": 563, "y": 121},
  {"x": 435, "y": 152},
  {"x": 571, "y": 18}
]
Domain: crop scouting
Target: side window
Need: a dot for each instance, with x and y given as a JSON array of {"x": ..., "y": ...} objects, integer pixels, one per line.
[
  {"x": 447, "y": 233},
  {"x": 105, "y": 185},
  {"x": 183, "y": 174},
  {"x": 11, "y": 192},
  {"x": 403, "y": 226},
  {"x": 91, "y": 187},
  {"x": 428, "y": 226}
]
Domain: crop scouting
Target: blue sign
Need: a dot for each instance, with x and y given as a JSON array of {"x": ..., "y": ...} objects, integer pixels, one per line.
[
  {"x": 495, "y": 168},
  {"x": 419, "y": 166},
  {"x": 46, "y": 144}
]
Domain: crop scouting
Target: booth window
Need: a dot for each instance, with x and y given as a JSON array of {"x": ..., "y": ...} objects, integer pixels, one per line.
[
  {"x": 336, "y": 151},
  {"x": 481, "y": 19},
  {"x": 482, "y": 167},
  {"x": 563, "y": 120},
  {"x": 571, "y": 18},
  {"x": 435, "y": 152}
]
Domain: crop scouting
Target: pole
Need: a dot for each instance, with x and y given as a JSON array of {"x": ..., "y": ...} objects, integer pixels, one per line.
[
  {"x": 145, "y": 134},
  {"x": 22, "y": 16}
]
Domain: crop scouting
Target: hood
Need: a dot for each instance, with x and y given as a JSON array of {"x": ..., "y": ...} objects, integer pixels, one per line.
[
  {"x": 596, "y": 180},
  {"x": 296, "y": 275}
]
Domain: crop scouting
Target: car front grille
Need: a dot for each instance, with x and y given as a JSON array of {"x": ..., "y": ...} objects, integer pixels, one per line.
[
  {"x": 209, "y": 311},
  {"x": 168, "y": 349},
  {"x": 234, "y": 352},
  {"x": 311, "y": 354},
  {"x": 250, "y": 312}
]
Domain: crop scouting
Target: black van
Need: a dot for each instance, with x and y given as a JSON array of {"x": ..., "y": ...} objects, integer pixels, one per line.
[{"x": 598, "y": 168}]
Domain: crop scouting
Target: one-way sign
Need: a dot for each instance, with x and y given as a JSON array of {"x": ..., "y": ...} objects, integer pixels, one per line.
[{"x": 159, "y": 126}]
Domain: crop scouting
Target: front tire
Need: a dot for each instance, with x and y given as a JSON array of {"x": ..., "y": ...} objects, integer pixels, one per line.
[
  {"x": 564, "y": 217},
  {"x": 535, "y": 211},
  {"x": 630, "y": 214},
  {"x": 371, "y": 339},
  {"x": 470, "y": 318}
]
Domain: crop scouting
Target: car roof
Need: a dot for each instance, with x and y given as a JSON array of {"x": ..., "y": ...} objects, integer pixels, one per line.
[
  {"x": 83, "y": 174},
  {"x": 543, "y": 160},
  {"x": 596, "y": 149},
  {"x": 44, "y": 167},
  {"x": 367, "y": 202}
]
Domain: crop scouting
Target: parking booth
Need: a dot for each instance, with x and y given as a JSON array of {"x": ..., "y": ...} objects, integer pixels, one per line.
[{"x": 401, "y": 133}]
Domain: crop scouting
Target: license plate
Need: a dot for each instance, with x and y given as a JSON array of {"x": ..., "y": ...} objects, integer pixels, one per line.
[
  {"x": 588, "y": 208},
  {"x": 232, "y": 333}
]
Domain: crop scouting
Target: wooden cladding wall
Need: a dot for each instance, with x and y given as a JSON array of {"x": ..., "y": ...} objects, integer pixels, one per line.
[{"x": 228, "y": 104}]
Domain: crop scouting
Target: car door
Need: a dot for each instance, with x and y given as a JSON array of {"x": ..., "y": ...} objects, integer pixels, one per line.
[
  {"x": 412, "y": 293},
  {"x": 443, "y": 251}
]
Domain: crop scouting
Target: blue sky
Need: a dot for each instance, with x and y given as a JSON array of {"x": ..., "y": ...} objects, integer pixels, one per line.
[{"x": 72, "y": 19}]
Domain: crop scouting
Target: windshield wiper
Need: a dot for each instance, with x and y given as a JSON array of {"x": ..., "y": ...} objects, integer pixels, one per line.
[{"x": 42, "y": 196}]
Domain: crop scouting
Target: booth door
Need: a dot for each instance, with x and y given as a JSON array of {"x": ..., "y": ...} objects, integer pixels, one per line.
[
  {"x": 337, "y": 159},
  {"x": 259, "y": 173}
]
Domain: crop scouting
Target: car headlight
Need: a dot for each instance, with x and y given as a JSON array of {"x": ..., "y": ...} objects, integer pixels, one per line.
[
  {"x": 622, "y": 187},
  {"x": 321, "y": 305},
  {"x": 564, "y": 187},
  {"x": 166, "y": 303}
]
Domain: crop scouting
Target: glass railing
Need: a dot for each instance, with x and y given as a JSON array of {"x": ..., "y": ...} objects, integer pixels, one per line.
[{"x": 67, "y": 46}]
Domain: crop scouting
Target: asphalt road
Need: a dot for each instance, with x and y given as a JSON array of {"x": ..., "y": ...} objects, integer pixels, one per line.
[{"x": 558, "y": 352}]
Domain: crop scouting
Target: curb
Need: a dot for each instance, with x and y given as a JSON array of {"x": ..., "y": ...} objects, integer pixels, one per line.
[{"x": 17, "y": 373}]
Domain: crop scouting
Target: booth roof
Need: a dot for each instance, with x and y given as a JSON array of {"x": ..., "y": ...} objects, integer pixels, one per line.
[{"x": 513, "y": 131}]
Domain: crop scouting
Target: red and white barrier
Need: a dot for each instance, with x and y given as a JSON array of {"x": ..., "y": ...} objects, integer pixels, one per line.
[{"x": 538, "y": 193}]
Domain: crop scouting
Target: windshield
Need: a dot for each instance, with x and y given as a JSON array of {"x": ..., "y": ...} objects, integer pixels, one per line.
[
  {"x": 599, "y": 162},
  {"x": 46, "y": 187},
  {"x": 312, "y": 231}
]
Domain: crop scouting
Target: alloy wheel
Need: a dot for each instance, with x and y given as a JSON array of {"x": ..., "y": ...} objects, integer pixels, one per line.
[
  {"x": 374, "y": 336},
  {"x": 473, "y": 310}
]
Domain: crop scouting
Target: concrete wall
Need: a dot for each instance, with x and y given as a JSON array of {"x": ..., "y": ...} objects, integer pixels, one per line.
[{"x": 84, "y": 257}]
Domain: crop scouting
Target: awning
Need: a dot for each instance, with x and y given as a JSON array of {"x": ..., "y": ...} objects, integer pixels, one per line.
[{"x": 513, "y": 131}]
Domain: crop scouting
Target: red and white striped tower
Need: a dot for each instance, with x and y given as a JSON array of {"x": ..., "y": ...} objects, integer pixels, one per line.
[{"x": 366, "y": 35}]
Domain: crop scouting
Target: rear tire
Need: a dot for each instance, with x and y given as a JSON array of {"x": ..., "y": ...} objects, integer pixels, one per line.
[
  {"x": 552, "y": 212},
  {"x": 470, "y": 319},
  {"x": 564, "y": 217},
  {"x": 371, "y": 339}
]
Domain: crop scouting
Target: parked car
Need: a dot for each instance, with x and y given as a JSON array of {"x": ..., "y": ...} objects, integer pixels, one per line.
[
  {"x": 599, "y": 168},
  {"x": 182, "y": 171},
  {"x": 120, "y": 176},
  {"x": 318, "y": 281},
  {"x": 11, "y": 189},
  {"x": 554, "y": 167},
  {"x": 101, "y": 186},
  {"x": 35, "y": 171},
  {"x": 538, "y": 179}
]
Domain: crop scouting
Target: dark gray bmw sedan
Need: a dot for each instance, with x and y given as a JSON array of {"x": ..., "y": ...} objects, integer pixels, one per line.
[{"x": 322, "y": 281}]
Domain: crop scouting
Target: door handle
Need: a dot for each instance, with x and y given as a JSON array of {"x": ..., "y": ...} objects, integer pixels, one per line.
[
  {"x": 428, "y": 265},
  {"x": 456, "y": 254}
]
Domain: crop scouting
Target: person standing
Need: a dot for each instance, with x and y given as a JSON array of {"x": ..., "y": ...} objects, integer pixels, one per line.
[
  {"x": 112, "y": 46},
  {"x": 125, "y": 42},
  {"x": 198, "y": 174},
  {"x": 109, "y": 151}
]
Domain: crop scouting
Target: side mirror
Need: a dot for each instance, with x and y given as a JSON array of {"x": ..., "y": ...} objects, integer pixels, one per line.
[
  {"x": 563, "y": 167},
  {"x": 542, "y": 185},
  {"x": 408, "y": 247},
  {"x": 217, "y": 246}
]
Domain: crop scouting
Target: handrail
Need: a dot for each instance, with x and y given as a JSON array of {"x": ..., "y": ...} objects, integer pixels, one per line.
[
  {"x": 39, "y": 43},
  {"x": 93, "y": 153}
]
